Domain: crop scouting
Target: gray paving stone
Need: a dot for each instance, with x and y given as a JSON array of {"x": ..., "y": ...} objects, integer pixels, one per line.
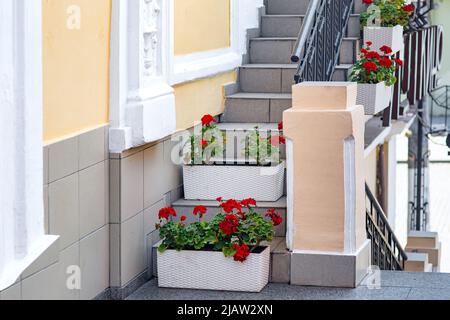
[{"x": 429, "y": 294}]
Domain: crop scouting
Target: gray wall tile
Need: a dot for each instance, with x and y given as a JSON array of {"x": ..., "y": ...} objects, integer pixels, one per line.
[
  {"x": 94, "y": 263},
  {"x": 93, "y": 198},
  {"x": 132, "y": 186},
  {"x": 63, "y": 159},
  {"x": 64, "y": 210},
  {"x": 91, "y": 148}
]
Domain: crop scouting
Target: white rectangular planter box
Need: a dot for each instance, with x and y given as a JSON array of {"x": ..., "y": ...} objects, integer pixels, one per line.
[
  {"x": 374, "y": 97},
  {"x": 380, "y": 36},
  {"x": 208, "y": 270},
  {"x": 208, "y": 182}
]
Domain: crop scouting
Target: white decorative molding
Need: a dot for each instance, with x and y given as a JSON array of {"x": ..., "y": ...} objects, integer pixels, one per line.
[
  {"x": 144, "y": 66},
  {"x": 142, "y": 104},
  {"x": 22, "y": 238}
]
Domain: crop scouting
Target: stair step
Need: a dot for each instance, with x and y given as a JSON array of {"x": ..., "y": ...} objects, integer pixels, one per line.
[
  {"x": 341, "y": 73},
  {"x": 359, "y": 7},
  {"x": 417, "y": 262},
  {"x": 185, "y": 207},
  {"x": 272, "y": 50},
  {"x": 279, "y": 50},
  {"x": 289, "y": 25},
  {"x": 354, "y": 26},
  {"x": 270, "y": 78},
  {"x": 349, "y": 50},
  {"x": 281, "y": 25},
  {"x": 299, "y": 7},
  {"x": 256, "y": 107}
]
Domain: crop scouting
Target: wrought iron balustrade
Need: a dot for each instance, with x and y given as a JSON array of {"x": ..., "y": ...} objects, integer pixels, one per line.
[
  {"x": 320, "y": 39},
  {"x": 387, "y": 252}
]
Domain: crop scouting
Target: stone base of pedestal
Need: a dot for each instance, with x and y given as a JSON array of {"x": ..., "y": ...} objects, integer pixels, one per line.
[{"x": 330, "y": 269}]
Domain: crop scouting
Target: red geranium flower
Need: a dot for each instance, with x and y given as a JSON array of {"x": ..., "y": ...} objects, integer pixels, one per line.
[
  {"x": 280, "y": 126},
  {"x": 242, "y": 252},
  {"x": 369, "y": 43},
  {"x": 409, "y": 8},
  {"x": 204, "y": 143},
  {"x": 372, "y": 55},
  {"x": 229, "y": 225},
  {"x": 248, "y": 202},
  {"x": 165, "y": 213},
  {"x": 200, "y": 210},
  {"x": 399, "y": 62},
  {"x": 370, "y": 66},
  {"x": 219, "y": 199},
  {"x": 230, "y": 205},
  {"x": 183, "y": 218},
  {"x": 386, "y": 62},
  {"x": 367, "y": 1},
  {"x": 208, "y": 119},
  {"x": 276, "y": 218},
  {"x": 386, "y": 49}
]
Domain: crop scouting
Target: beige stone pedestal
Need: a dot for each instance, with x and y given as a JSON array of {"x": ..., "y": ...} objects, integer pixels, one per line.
[{"x": 326, "y": 200}]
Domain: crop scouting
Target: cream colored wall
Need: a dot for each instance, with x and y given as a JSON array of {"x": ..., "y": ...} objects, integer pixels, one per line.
[
  {"x": 371, "y": 170},
  {"x": 201, "y": 25},
  {"x": 76, "y": 68},
  {"x": 194, "y": 99}
]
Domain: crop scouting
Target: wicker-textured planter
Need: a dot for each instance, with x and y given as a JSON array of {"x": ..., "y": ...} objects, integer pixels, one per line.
[
  {"x": 204, "y": 182},
  {"x": 209, "y": 270},
  {"x": 380, "y": 36},
  {"x": 374, "y": 97}
]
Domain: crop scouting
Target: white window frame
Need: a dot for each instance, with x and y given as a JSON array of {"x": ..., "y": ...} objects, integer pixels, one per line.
[{"x": 22, "y": 238}]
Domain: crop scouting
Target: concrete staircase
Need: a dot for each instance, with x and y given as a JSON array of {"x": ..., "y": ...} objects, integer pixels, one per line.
[
  {"x": 265, "y": 87},
  {"x": 265, "y": 83}
]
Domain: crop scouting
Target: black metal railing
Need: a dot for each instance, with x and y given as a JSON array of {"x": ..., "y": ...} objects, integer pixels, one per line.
[
  {"x": 387, "y": 252},
  {"x": 421, "y": 15},
  {"x": 320, "y": 39}
]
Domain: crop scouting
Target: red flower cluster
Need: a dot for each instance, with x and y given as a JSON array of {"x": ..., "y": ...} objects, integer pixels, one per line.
[
  {"x": 386, "y": 50},
  {"x": 229, "y": 225},
  {"x": 409, "y": 8},
  {"x": 368, "y": 2},
  {"x": 280, "y": 126},
  {"x": 200, "y": 210},
  {"x": 242, "y": 252},
  {"x": 183, "y": 218},
  {"x": 375, "y": 60},
  {"x": 248, "y": 202},
  {"x": 370, "y": 66},
  {"x": 230, "y": 205},
  {"x": 207, "y": 119},
  {"x": 165, "y": 213},
  {"x": 276, "y": 218}
]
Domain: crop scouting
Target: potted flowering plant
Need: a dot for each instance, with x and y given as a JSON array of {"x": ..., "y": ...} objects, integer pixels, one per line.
[
  {"x": 384, "y": 21},
  {"x": 208, "y": 171},
  {"x": 226, "y": 253},
  {"x": 375, "y": 75}
]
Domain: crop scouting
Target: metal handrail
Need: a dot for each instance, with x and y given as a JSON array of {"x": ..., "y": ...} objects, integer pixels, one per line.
[
  {"x": 387, "y": 252},
  {"x": 318, "y": 45}
]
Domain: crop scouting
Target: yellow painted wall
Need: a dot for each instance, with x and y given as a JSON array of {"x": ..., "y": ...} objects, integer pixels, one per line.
[
  {"x": 195, "y": 99},
  {"x": 201, "y": 25},
  {"x": 76, "y": 67}
]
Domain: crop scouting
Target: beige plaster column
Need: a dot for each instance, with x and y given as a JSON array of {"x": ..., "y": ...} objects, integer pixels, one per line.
[{"x": 326, "y": 200}]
